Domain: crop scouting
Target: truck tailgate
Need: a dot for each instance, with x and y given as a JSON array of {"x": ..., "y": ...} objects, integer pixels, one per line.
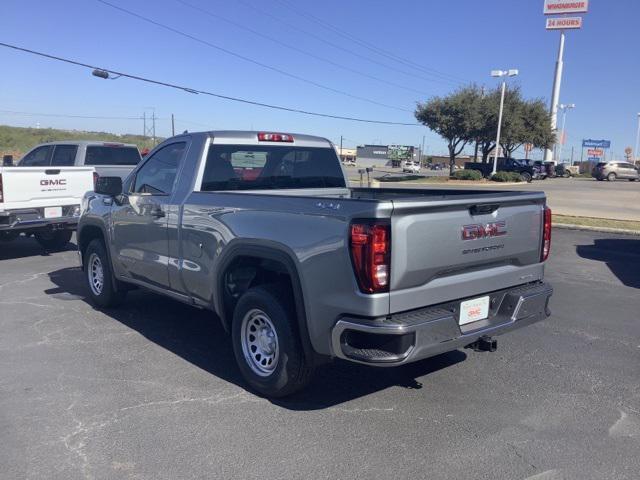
[
  {"x": 456, "y": 248},
  {"x": 33, "y": 187}
]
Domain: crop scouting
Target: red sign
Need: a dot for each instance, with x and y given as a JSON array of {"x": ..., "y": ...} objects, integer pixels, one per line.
[
  {"x": 595, "y": 152},
  {"x": 556, "y": 7}
]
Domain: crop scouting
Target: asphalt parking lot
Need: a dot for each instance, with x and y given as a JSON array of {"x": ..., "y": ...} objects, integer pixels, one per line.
[{"x": 151, "y": 391}]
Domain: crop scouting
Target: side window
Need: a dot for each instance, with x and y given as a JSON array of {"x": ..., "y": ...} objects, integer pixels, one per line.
[
  {"x": 64, "y": 155},
  {"x": 158, "y": 174},
  {"x": 39, "y": 157}
]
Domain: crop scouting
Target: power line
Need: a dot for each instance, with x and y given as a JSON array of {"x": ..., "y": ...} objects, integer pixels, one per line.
[
  {"x": 296, "y": 49},
  {"x": 204, "y": 92},
  {"x": 346, "y": 50},
  {"x": 248, "y": 59},
  {"x": 369, "y": 46}
]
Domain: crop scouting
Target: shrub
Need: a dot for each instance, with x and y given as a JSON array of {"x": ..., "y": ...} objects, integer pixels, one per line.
[
  {"x": 506, "y": 177},
  {"x": 467, "y": 175}
]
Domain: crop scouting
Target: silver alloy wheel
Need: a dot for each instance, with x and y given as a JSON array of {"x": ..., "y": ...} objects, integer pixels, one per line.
[
  {"x": 95, "y": 272},
  {"x": 259, "y": 342}
]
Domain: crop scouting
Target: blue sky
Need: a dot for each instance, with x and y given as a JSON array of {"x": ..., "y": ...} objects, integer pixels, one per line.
[{"x": 460, "y": 40}]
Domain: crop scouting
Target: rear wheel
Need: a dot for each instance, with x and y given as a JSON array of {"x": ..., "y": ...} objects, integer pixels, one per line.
[
  {"x": 53, "y": 240},
  {"x": 611, "y": 177},
  {"x": 526, "y": 177},
  {"x": 99, "y": 277},
  {"x": 266, "y": 343}
]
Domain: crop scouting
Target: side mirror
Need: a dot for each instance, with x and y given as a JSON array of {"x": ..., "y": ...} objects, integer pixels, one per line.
[{"x": 111, "y": 186}]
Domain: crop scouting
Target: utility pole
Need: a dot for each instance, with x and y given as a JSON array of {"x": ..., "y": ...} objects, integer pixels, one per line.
[
  {"x": 144, "y": 124},
  {"x": 173, "y": 126},
  {"x": 635, "y": 152},
  {"x": 555, "y": 96}
]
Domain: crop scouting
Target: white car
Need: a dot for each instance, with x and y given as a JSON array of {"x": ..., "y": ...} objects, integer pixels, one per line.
[{"x": 411, "y": 167}]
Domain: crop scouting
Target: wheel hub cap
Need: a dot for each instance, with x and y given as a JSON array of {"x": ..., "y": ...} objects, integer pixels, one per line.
[
  {"x": 95, "y": 273},
  {"x": 259, "y": 342}
]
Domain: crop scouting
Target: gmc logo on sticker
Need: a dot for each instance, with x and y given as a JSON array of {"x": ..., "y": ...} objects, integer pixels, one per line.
[
  {"x": 474, "y": 232},
  {"x": 53, "y": 183}
]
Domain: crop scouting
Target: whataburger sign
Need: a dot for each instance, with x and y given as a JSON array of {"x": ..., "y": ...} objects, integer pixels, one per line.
[{"x": 557, "y": 7}]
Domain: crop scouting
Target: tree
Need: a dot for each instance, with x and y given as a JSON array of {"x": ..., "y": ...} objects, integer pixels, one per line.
[{"x": 454, "y": 117}]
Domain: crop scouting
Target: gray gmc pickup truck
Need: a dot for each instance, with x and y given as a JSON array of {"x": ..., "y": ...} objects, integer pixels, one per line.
[{"x": 263, "y": 229}]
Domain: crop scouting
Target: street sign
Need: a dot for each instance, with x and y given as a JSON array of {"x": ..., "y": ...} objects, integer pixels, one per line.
[
  {"x": 557, "y": 7},
  {"x": 564, "y": 23},
  {"x": 589, "y": 143},
  {"x": 595, "y": 152}
]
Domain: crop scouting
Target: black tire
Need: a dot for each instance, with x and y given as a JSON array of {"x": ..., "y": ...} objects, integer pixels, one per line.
[
  {"x": 526, "y": 177},
  {"x": 599, "y": 179},
  {"x": 633, "y": 179},
  {"x": 611, "y": 177},
  {"x": 106, "y": 295},
  {"x": 289, "y": 370},
  {"x": 566, "y": 175},
  {"x": 53, "y": 240}
]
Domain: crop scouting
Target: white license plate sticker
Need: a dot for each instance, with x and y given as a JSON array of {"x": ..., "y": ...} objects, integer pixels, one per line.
[
  {"x": 474, "y": 310},
  {"x": 52, "y": 212}
]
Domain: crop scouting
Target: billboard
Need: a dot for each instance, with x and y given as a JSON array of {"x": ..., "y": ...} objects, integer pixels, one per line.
[
  {"x": 564, "y": 23},
  {"x": 557, "y": 7},
  {"x": 589, "y": 143},
  {"x": 399, "y": 152}
]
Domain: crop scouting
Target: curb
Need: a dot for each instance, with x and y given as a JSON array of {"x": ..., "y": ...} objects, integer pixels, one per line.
[{"x": 622, "y": 231}]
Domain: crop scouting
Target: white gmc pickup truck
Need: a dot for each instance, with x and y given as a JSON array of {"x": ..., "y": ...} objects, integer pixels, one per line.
[{"x": 43, "y": 202}]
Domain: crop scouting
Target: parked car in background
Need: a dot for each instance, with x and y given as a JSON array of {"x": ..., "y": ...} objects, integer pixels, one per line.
[
  {"x": 527, "y": 172},
  {"x": 562, "y": 171},
  {"x": 301, "y": 268},
  {"x": 43, "y": 201},
  {"x": 411, "y": 167},
  {"x": 614, "y": 171},
  {"x": 110, "y": 159}
]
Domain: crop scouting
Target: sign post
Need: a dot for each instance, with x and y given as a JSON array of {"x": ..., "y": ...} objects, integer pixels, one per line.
[{"x": 561, "y": 7}]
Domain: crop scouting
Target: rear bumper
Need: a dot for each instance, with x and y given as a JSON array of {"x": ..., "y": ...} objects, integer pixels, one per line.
[
  {"x": 422, "y": 333},
  {"x": 33, "y": 218}
]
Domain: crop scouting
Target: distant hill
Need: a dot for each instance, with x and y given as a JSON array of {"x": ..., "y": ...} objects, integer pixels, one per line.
[{"x": 17, "y": 141}]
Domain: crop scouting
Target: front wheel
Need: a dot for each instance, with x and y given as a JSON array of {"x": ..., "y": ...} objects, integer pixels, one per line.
[
  {"x": 53, "y": 240},
  {"x": 266, "y": 343},
  {"x": 100, "y": 283},
  {"x": 611, "y": 177},
  {"x": 526, "y": 177}
]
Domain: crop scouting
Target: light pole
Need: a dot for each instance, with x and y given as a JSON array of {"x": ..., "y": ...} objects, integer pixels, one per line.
[
  {"x": 635, "y": 152},
  {"x": 498, "y": 74},
  {"x": 563, "y": 107}
]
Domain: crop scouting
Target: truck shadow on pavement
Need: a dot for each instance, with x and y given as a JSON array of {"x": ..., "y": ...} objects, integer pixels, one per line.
[
  {"x": 621, "y": 255},
  {"x": 23, "y": 247},
  {"x": 197, "y": 336}
]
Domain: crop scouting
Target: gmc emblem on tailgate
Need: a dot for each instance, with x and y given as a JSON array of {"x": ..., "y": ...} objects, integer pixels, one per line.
[
  {"x": 53, "y": 183},
  {"x": 474, "y": 232}
]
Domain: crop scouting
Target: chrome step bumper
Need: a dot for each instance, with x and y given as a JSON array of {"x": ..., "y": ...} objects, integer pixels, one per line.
[{"x": 422, "y": 333}]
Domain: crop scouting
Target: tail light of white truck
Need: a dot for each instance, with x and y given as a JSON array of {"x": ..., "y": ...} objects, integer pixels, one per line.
[
  {"x": 95, "y": 179},
  {"x": 546, "y": 234},
  {"x": 370, "y": 245}
]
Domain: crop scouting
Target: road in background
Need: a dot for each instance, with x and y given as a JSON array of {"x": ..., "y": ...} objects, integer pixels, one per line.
[
  {"x": 151, "y": 390},
  {"x": 578, "y": 197}
]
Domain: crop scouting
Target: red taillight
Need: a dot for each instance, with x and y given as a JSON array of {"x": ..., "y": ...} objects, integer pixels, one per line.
[
  {"x": 371, "y": 255},
  {"x": 1, "y": 191},
  {"x": 275, "y": 137},
  {"x": 95, "y": 179},
  {"x": 546, "y": 235}
]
